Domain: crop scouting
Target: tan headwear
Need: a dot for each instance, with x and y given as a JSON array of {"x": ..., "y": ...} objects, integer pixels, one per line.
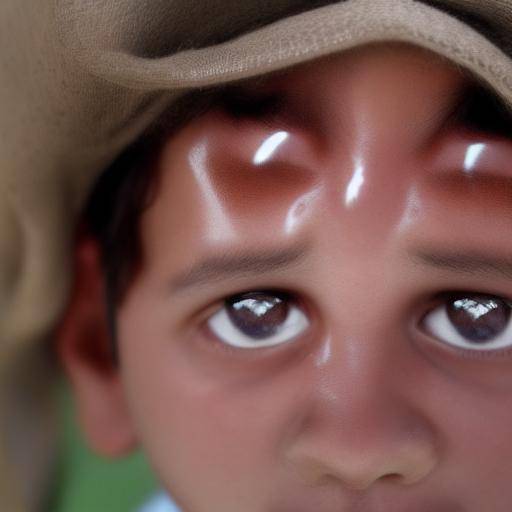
[{"x": 80, "y": 79}]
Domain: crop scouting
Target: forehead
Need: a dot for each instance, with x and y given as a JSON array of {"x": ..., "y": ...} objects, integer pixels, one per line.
[
  {"x": 333, "y": 142},
  {"x": 378, "y": 60}
]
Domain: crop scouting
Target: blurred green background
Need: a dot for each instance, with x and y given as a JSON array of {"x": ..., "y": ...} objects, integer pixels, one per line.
[{"x": 87, "y": 483}]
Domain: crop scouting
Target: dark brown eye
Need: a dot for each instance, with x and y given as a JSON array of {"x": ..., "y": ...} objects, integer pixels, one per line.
[
  {"x": 258, "y": 315},
  {"x": 258, "y": 319},
  {"x": 474, "y": 321},
  {"x": 478, "y": 318}
]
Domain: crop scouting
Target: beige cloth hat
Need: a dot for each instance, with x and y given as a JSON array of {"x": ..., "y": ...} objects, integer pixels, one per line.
[{"x": 80, "y": 79}]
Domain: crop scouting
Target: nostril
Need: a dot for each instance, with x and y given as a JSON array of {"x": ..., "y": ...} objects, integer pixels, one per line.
[{"x": 392, "y": 478}]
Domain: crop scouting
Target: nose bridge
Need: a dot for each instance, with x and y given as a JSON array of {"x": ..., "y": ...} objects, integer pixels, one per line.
[
  {"x": 361, "y": 426},
  {"x": 360, "y": 384}
]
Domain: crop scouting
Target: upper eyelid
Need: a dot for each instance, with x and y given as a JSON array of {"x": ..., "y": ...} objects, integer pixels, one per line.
[
  {"x": 282, "y": 294},
  {"x": 444, "y": 296},
  {"x": 221, "y": 302},
  {"x": 441, "y": 299}
]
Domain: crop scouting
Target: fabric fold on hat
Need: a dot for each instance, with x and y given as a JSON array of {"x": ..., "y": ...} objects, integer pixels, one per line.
[{"x": 307, "y": 36}]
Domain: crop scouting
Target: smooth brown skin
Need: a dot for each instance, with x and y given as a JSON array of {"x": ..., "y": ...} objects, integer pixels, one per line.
[{"x": 365, "y": 410}]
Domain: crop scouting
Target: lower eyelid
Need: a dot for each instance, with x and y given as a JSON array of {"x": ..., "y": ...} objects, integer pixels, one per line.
[
  {"x": 480, "y": 355},
  {"x": 212, "y": 343},
  {"x": 294, "y": 325},
  {"x": 497, "y": 355}
]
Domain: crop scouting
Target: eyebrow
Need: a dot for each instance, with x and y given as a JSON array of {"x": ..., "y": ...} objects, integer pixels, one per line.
[
  {"x": 238, "y": 264},
  {"x": 466, "y": 262}
]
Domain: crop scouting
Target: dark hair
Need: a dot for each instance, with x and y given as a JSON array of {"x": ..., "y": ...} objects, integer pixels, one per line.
[
  {"x": 127, "y": 188},
  {"x": 123, "y": 192},
  {"x": 112, "y": 216}
]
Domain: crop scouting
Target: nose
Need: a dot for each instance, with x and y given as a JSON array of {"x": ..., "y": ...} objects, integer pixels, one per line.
[{"x": 359, "y": 430}]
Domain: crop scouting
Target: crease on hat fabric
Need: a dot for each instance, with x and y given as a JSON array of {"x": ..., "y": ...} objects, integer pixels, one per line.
[
  {"x": 169, "y": 25},
  {"x": 305, "y": 36},
  {"x": 497, "y": 13},
  {"x": 80, "y": 79}
]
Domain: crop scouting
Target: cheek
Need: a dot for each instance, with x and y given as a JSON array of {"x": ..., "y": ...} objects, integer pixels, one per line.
[
  {"x": 478, "y": 448},
  {"x": 202, "y": 417},
  {"x": 469, "y": 402}
]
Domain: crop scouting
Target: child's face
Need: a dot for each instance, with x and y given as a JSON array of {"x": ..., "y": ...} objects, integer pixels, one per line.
[{"x": 366, "y": 363}]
